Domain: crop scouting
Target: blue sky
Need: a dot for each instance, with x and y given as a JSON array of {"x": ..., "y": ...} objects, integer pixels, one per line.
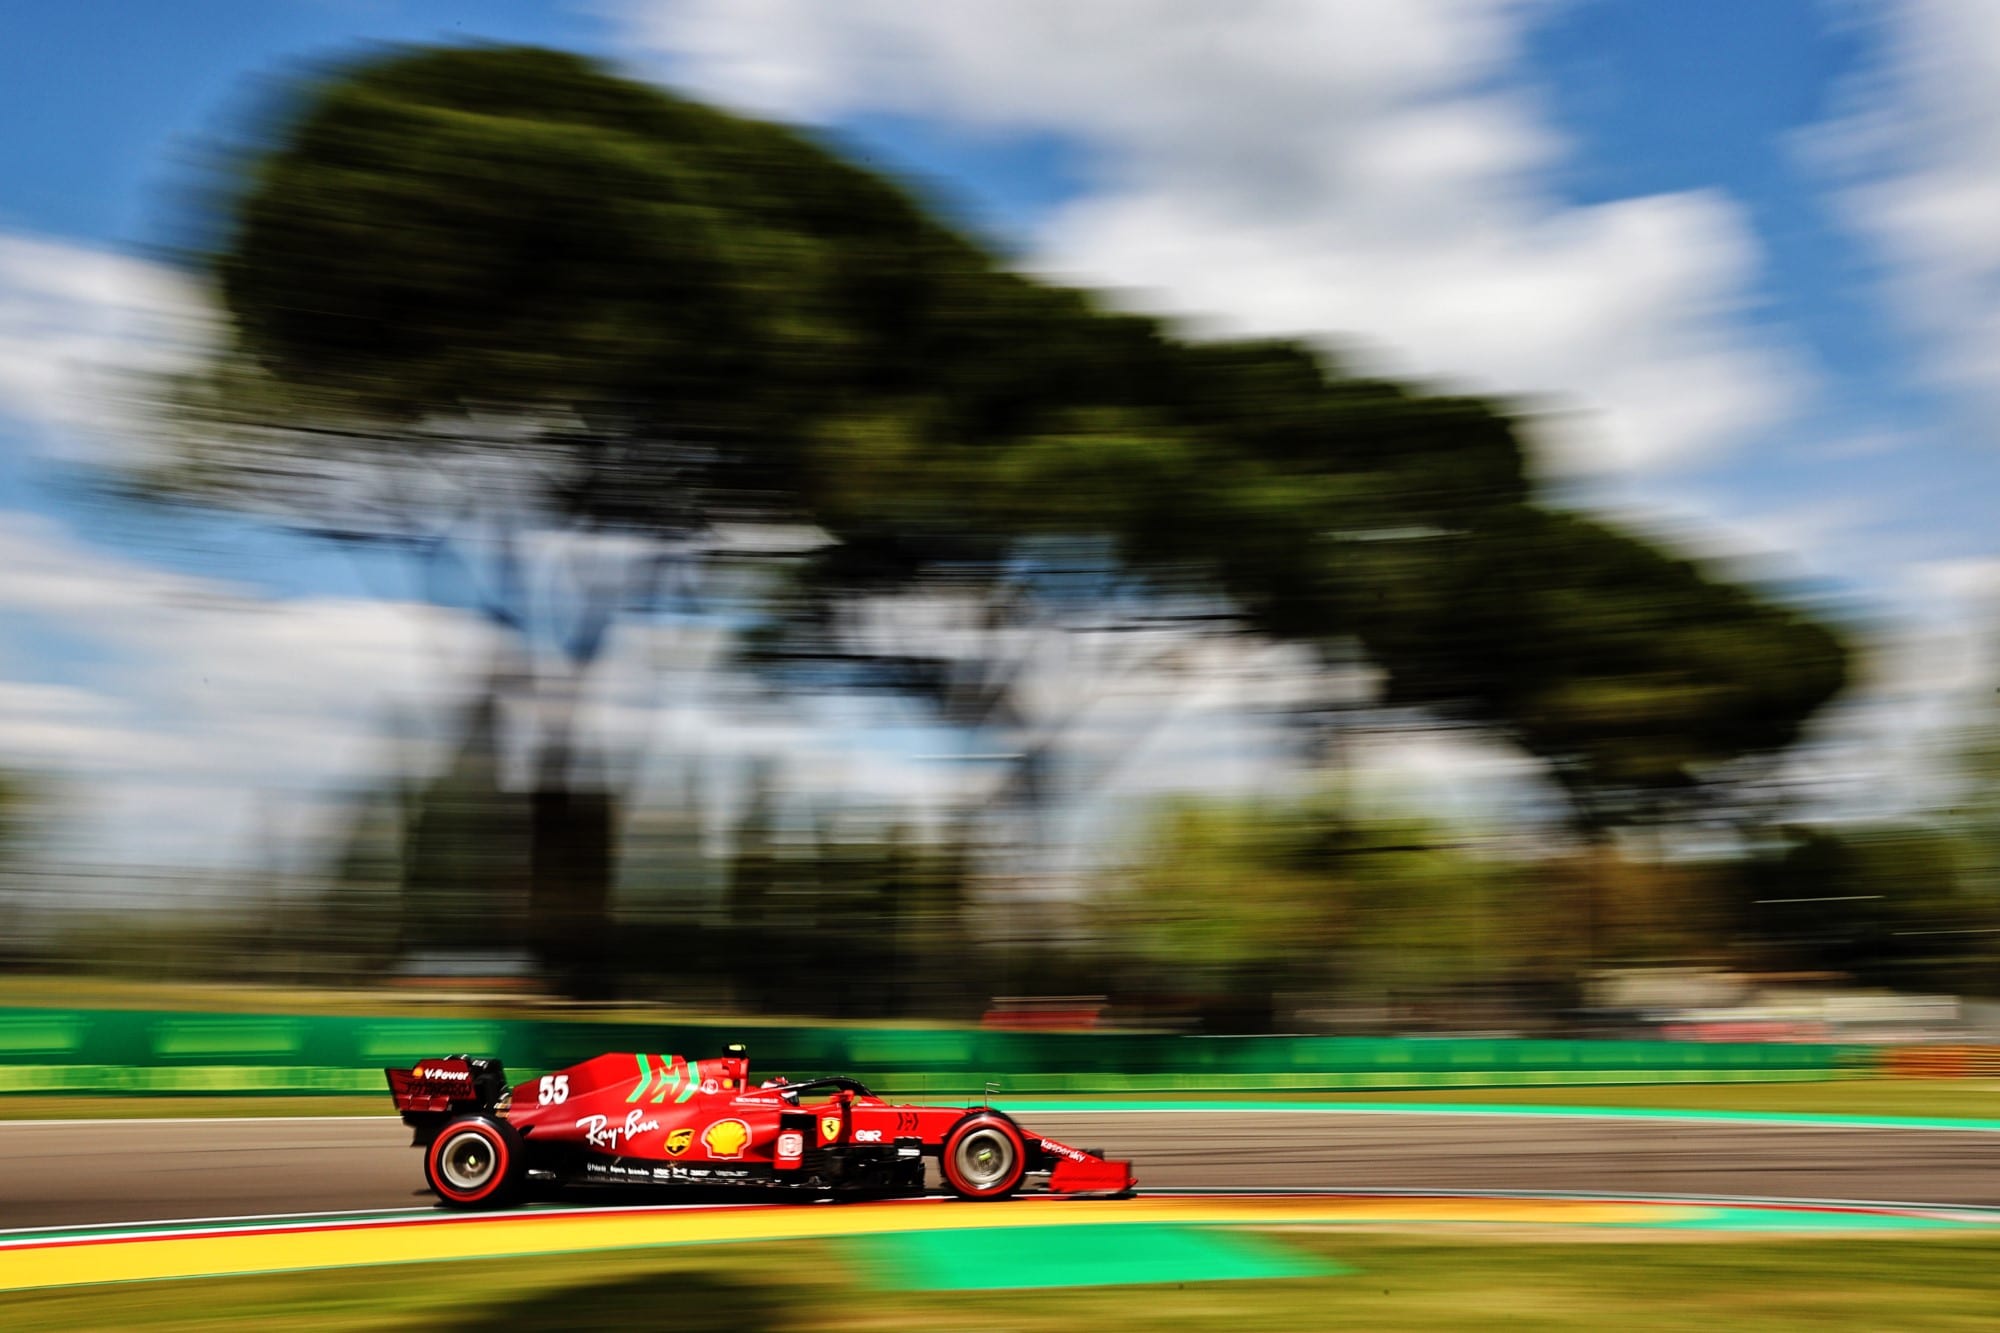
[
  {"x": 1714, "y": 95},
  {"x": 106, "y": 105},
  {"x": 1693, "y": 243}
]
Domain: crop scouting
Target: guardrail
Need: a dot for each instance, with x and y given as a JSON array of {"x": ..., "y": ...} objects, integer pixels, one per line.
[{"x": 146, "y": 1051}]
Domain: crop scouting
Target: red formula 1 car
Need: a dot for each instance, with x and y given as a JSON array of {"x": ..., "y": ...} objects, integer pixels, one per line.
[{"x": 661, "y": 1120}]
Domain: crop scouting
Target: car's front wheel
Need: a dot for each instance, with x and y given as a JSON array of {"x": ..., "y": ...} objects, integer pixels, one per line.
[
  {"x": 475, "y": 1162},
  {"x": 983, "y": 1157}
]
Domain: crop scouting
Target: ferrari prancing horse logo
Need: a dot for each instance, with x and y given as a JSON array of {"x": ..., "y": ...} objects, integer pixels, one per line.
[
  {"x": 726, "y": 1138},
  {"x": 829, "y": 1127}
]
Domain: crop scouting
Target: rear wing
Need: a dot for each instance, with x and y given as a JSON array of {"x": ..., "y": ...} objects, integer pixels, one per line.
[{"x": 455, "y": 1084}]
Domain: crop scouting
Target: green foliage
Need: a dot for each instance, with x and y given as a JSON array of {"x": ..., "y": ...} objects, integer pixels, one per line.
[
  {"x": 1261, "y": 898},
  {"x": 16, "y": 795},
  {"x": 1889, "y": 904},
  {"x": 1975, "y": 815},
  {"x": 515, "y": 227},
  {"x": 1634, "y": 674}
]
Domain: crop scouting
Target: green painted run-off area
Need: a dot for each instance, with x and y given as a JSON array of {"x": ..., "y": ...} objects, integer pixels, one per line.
[{"x": 1016, "y": 1258}]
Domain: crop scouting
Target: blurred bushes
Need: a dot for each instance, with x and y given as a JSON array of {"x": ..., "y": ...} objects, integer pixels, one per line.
[
  {"x": 1226, "y": 917},
  {"x": 1235, "y": 906},
  {"x": 1903, "y": 906}
]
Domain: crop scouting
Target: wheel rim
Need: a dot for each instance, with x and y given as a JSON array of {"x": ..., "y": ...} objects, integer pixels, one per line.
[
  {"x": 984, "y": 1159},
  {"x": 468, "y": 1162}
]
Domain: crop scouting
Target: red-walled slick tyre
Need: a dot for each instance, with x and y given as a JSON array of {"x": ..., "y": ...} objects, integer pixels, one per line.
[
  {"x": 475, "y": 1163},
  {"x": 983, "y": 1157}
]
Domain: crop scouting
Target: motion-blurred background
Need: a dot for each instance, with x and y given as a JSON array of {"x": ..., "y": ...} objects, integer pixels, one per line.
[{"x": 1444, "y": 516}]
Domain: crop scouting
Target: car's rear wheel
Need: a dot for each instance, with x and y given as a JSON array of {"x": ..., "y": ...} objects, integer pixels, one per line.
[
  {"x": 475, "y": 1163},
  {"x": 983, "y": 1157}
]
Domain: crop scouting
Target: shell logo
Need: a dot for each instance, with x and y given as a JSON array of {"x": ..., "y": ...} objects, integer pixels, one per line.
[
  {"x": 829, "y": 1127},
  {"x": 726, "y": 1138}
]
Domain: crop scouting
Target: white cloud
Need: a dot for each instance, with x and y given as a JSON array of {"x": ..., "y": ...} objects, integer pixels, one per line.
[
  {"x": 1886, "y": 750},
  {"x": 185, "y": 685},
  {"x": 76, "y": 322},
  {"x": 1915, "y": 156},
  {"x": 1370, "y": 168}
]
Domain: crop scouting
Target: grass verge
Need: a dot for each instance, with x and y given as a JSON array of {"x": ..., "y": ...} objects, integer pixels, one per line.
[
  {"x": 1397, "y": 1283},
  {"x": 1950, "y": 1098}
]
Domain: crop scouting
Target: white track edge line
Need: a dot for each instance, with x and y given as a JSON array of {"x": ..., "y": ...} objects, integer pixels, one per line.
[{"x": 362, "y": 1217}]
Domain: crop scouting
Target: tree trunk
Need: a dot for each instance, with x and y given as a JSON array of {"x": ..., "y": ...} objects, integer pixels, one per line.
[{"x": 571, "y": 839}]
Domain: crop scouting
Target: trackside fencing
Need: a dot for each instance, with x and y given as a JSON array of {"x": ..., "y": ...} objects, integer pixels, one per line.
[{"x": 81, "y": 1051}]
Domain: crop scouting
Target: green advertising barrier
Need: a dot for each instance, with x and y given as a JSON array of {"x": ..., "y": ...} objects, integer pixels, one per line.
[{"x": 138, "y": 1051}]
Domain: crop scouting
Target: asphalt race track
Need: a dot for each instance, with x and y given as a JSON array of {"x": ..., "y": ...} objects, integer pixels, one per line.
[{"x": 67, "y": 1173}]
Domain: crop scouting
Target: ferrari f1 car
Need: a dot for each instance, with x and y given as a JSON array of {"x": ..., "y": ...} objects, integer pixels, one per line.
[{"x": 652, "y": 1120}]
